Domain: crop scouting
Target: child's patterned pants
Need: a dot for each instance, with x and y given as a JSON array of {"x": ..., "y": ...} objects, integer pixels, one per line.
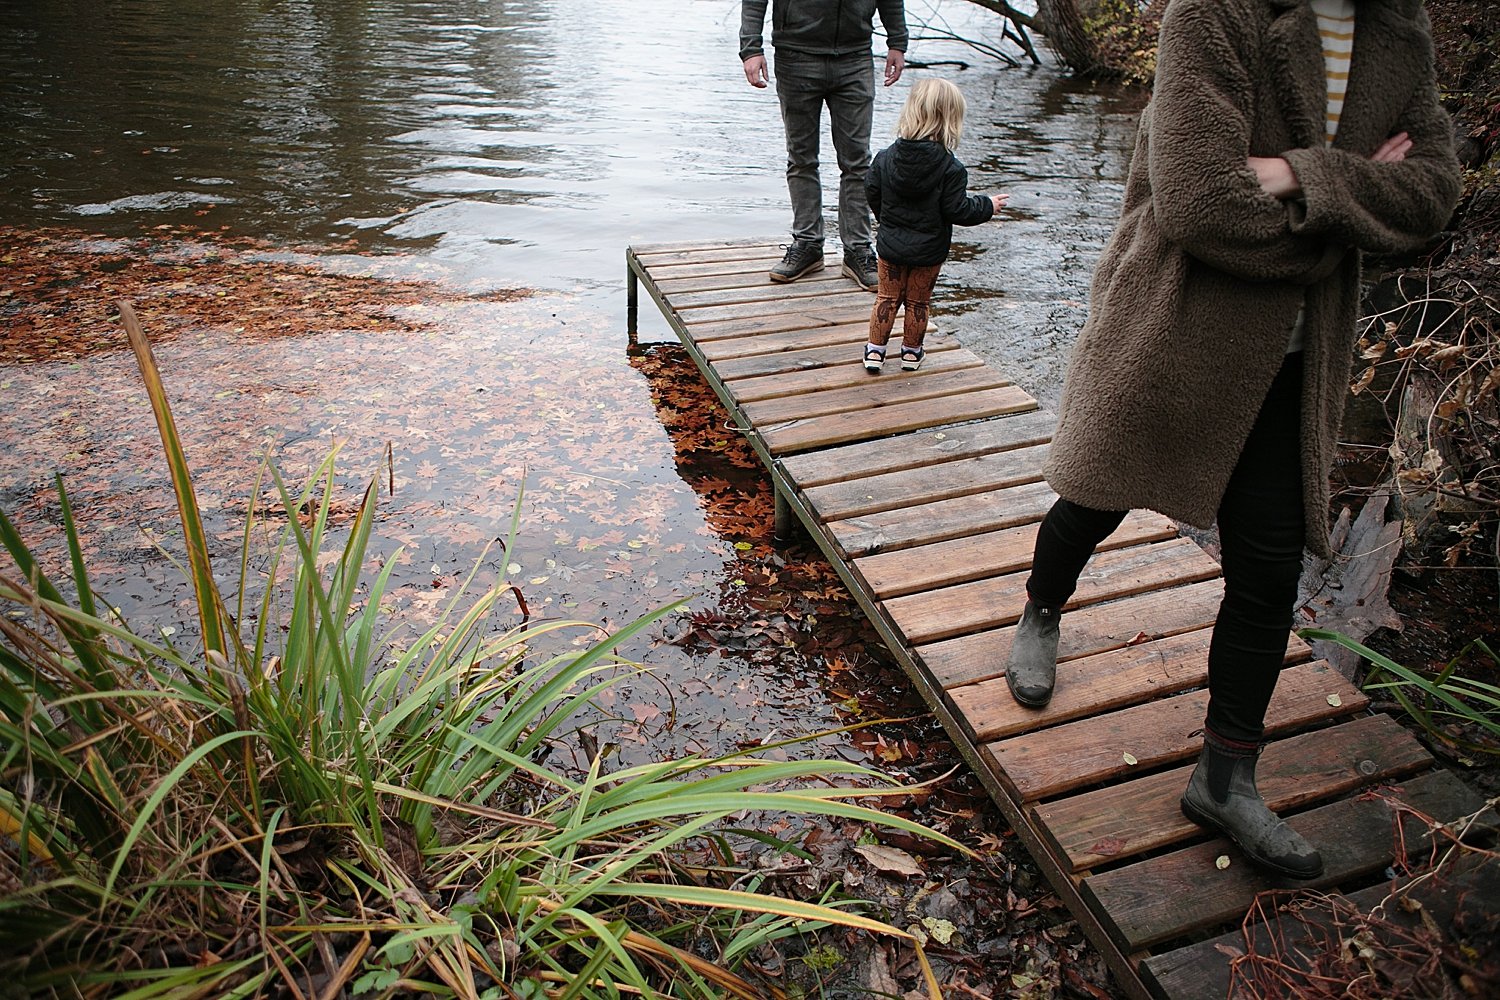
[{"x": 901, "y": 283}]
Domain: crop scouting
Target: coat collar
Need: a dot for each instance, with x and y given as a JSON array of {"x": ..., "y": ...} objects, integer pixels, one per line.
[{"x": 1385, "y": 56}]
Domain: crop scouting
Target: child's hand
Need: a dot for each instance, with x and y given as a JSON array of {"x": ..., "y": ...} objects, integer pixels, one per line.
[{"x": 1000, "y": 201}]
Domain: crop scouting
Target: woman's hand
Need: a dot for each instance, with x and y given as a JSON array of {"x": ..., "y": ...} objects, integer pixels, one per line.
[
  {"x": 1393, "y": 150},
  {"x": 1276, "y": 177}
]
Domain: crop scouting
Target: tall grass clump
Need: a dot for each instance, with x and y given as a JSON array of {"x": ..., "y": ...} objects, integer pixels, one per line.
[
  {"x": 1462, "y": 712},
  {"x": 300, "y": 809}
]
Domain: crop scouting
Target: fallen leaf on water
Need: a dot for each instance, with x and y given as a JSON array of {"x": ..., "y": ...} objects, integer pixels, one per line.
[{"x": 889, "y": 859}]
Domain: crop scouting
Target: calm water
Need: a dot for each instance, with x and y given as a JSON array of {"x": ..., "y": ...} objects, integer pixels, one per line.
[{"x": 487, "y": 145}]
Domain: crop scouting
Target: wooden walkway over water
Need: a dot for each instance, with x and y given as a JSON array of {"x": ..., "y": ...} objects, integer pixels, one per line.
[{"x": 924, "y": 490}]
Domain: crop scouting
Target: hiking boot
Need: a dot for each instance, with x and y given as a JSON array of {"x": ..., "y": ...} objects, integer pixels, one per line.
[
  {"x": 801, "y": 258},
  {"x": 860, "y": 264},
  {"x": 1031, "y": 670},
  {"x": 1222, "y": 795}
]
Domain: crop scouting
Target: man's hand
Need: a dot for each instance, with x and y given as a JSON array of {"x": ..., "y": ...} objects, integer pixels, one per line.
[
  {"x": 755, "y": 71},
  {"x": 895, "y": 62}
]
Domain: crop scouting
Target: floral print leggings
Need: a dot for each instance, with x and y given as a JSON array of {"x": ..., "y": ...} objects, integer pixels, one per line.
[{"x": 901, "y": 283}]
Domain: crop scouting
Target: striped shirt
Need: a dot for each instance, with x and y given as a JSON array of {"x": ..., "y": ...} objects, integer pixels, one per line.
[{"x": 1336, "y": 29}]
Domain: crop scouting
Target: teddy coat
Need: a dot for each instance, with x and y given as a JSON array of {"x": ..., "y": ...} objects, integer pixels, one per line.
[
  {"x": 1196, "y": 293},
  {"x": 918, "y": 192}
]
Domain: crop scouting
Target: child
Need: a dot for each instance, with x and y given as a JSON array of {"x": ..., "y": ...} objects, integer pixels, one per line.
[{"x": 916, "y": 189}]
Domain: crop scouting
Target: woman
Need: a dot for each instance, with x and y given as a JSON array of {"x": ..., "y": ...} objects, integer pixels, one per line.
[{"x": 1210, "y": 378}]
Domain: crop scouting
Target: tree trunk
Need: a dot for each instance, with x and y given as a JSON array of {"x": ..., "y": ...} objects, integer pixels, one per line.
[{"x": 1062, "y": 22}]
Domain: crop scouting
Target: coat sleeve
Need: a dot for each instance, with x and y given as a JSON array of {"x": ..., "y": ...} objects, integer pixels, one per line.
[
  {"x": 893, "y": 20},
  {"x": 1384, "y": 207},
  {"x": 1204, "y": 196},
  {"x": 752, "y": 28},
  {"x": 959, "y": 207}
]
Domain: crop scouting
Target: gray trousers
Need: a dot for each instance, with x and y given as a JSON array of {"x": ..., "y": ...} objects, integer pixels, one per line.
[{"x": 804, "y": 83}]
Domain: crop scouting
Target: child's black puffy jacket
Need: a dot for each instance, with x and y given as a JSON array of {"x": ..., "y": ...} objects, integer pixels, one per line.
[{"x": 918, "y": 192}]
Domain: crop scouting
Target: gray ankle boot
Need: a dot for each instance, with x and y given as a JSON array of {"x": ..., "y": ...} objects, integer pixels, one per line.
[
  {"x": 1031, "y": 670},
  {"x": 1221, "y": 794}
]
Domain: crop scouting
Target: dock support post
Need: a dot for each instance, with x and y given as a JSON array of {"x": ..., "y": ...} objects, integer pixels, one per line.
[
  {"x": 784, "y": 522},
  {"x": 632, "y": 299}
]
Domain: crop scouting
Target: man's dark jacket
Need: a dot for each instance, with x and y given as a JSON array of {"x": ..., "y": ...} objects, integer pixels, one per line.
[
  {"x": 821, "y": 27},
  {"x": 917, "y": 190}
]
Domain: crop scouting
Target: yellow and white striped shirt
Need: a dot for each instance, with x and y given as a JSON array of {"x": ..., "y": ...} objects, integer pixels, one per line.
[{"x": 1336, "y": 28}]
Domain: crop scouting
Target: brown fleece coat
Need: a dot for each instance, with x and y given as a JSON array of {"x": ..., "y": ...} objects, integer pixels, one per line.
[{"x": 1195, "y": 295}]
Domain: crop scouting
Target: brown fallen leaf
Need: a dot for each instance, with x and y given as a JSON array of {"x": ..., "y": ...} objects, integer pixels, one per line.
[
  {"x": 889, "y": 859},
  {"x": 1108, "y": 847}
]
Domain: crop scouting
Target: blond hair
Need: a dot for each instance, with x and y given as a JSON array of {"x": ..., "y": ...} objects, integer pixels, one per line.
[{"x": 933, "y": 110}]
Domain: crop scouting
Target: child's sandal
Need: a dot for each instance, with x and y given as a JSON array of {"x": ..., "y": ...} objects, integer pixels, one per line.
[
  {"x": 874, "y": 357},
  {"x": 911, "y": 358}
]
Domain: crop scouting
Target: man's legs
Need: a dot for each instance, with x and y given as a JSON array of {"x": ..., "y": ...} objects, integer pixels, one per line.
[
  {"x": 801, "y": 87},
  {"x": 851, "y": 107}
]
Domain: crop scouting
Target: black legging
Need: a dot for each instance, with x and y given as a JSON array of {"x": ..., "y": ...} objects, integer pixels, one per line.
[{"x": 1261, "y": 531}]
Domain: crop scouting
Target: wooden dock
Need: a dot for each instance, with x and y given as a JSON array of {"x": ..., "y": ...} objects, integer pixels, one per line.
[{"x": 925, "y": 490}]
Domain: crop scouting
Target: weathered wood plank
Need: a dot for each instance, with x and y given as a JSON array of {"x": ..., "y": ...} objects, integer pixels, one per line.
[
  {"x": 1123, "y": 820},
  {"x": 775, "y": 308},
  {"x": 862, "y": 425},
  {"x": 1019, "y": 430},
  {"x": 653, "y": 255},
  {"x": 1089, "y": 685},
  {"x": 996, "y": 601},
  {"x": 934, "y": 522},
  {"x": 748, "y": 276},
  {"x": 892, "y": 574},
  {"x": 1040, "y": 765},
  {"x": 816, "y": 313},
  {"x": 872, "y": 396},
  {"x": 760, "y": 344},
  {"x": 756, "y": 266},
  {"x": 846, "y": 371},
  {"x": 741, "y": 290},
  {"x": 1466, "y": 893},
  {"x": 1170, "y": 895},
  {"x": 1097, "y": 629},
  {"x": 890, "y": 490}
]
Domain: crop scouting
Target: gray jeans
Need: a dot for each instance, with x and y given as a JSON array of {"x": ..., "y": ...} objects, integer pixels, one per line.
[{"x": 804, "y": 83}]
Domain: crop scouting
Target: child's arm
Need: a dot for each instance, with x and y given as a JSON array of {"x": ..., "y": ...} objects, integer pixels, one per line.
[
  {"x": 964, "y": 209},
  {"x": 1000, "y": 201}
]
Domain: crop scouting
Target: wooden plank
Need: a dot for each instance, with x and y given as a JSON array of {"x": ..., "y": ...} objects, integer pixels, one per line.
[
  {"x": 1087, "y": 631},
  {"x": 782, "y": 360},
  {"x": 775, "y": 308},
  {"x": 1464, "y": 894},
  {"x": 715, "y": 291},
  {"x": 872, "y": 396},
  {"x": 654, "y": 254},
  {"x": 1120, "y": 821},
  {"x": 842, "y": 428},
  {"x": 768, "y": 342},
  {"x": 891, "y": 574},
  {"x": 996, "y": 601},
  {"x": 1167, "y": 896},
  {"x": 890, "y": 490},
  {"x": 661, "y": 274},
  {"x": 1039, "y": 765},
  {"x": 817, "y": 313},
  {"x": 914, "y": 451},
  {"x": 921, "y": 524},
  {"x": 845, "y": 370},
  {"x": 1090, "y": 685}
]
